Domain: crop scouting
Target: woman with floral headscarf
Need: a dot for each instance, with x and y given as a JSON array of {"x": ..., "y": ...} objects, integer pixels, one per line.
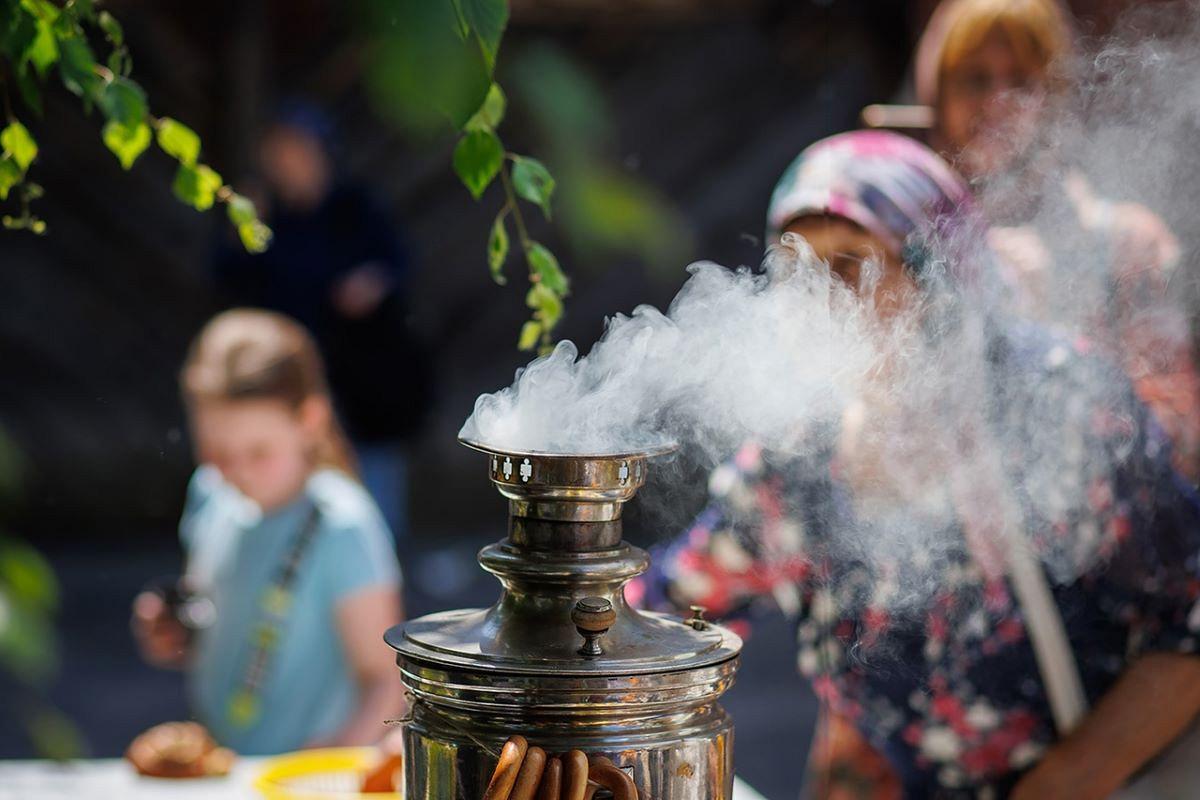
[{"x": 913, "y": 546}]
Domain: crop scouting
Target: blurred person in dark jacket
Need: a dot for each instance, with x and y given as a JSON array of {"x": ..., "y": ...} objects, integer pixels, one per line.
[{"x": 337, "y": 264}]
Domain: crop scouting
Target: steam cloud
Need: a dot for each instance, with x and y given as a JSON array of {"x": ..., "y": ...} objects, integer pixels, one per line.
[
  {"x": 792, "y": 359},
  {"x": 737, "y": 355}
]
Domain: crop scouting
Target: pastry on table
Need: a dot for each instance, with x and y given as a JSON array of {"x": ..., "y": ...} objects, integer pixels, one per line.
[{"x": 179, "y": 750}]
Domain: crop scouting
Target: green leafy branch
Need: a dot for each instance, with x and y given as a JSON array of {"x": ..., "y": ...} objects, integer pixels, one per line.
[
  {"x": 36, "y": 35},
  {"x": 480, "y": 158}
]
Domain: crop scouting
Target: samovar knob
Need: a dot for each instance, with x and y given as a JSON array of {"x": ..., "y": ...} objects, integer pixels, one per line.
[
  {"x": 593, "y": 616},
  {"x": 697, "y": 621}
]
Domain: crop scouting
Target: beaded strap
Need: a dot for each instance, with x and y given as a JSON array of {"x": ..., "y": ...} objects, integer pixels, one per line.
[{"x": 274, "y": 604}]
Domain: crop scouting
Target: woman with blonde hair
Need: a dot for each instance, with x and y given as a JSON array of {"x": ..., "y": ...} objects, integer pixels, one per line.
[
  {"x": 987, "y": 69},
  {"x": 997, "y": 74}
]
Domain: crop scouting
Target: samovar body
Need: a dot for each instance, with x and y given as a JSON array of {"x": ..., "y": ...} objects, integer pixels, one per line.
[{"x": 561, "y": 658}]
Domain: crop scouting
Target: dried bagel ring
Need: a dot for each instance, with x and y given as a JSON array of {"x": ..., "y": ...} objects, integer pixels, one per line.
[
  {"x": 615, "y": 780},
  {"x": 511, "y": 756},
  {"x": 551, "y": 788},
  {"x": 575, "y": 775},
  {"x": 530, "y": 774}
]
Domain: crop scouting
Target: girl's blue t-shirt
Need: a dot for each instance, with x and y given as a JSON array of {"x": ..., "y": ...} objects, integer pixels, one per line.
[{"x": 234, "y": 554}]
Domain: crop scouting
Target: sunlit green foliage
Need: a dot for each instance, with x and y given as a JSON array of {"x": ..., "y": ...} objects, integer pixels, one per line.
[
  {"x": 433, "y": 70},
  {"x": 36, "y": 36}
]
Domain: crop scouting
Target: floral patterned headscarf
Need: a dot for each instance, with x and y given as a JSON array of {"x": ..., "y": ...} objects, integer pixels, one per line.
[{"x": 891, "y": 185}]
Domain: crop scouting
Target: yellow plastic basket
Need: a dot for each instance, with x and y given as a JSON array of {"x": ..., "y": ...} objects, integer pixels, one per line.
[{"x": 333, "y": 773}]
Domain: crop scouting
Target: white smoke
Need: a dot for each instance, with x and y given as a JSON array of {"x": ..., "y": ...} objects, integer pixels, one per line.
[
  {"x": 792, "y": 359},
  {"x": 738, "y": 355}
]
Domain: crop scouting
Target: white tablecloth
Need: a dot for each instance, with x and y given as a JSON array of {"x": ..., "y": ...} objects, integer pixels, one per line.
[{"x": 103, "y": 779}]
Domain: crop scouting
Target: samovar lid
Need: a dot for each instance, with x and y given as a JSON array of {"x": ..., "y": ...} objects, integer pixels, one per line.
[{"x": 643, "y": 643}]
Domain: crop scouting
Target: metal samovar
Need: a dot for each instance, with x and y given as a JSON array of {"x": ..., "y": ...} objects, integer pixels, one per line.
[{"x": 561, "y": 658}]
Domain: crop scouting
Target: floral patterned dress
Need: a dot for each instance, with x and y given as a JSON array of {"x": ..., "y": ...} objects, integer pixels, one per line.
[{"x": 913, "y": 644}]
